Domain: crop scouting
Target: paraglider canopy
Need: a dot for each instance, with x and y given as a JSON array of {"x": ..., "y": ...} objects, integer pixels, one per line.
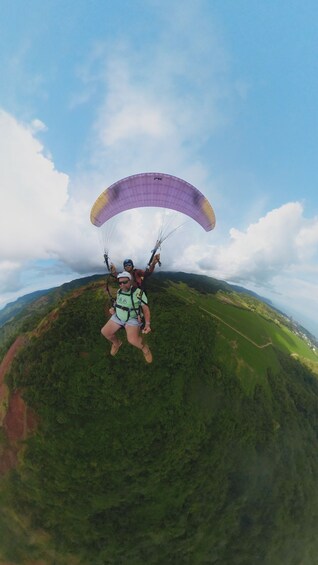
[{"x": 156, "y": 190}]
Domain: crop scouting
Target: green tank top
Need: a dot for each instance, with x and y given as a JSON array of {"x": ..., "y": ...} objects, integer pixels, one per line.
[{"x": 128, "y": 303}]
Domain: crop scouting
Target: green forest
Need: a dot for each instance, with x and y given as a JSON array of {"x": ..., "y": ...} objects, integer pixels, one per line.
[{"x": 207, "y": 456}]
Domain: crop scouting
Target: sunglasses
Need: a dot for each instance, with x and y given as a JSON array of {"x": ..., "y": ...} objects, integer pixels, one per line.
[
  {"x": 124, "y": 282},
  {"x": 128, "y": 264}
]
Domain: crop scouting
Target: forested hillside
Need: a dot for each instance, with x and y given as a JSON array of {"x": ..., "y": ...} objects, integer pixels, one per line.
[{"x": 207, "y": 456}]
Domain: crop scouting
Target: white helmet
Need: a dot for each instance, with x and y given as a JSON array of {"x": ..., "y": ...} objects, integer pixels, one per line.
[{"x": 124, "y": 275}]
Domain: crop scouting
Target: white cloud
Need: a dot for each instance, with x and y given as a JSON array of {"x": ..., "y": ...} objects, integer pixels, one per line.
[
  {"x": 307, "y": 240},
  {"x": 159, "y": 104},
  {"x": 280, "y": 241},
  {"x": 33, "y": 196},
  {"x": 37, "y": 126},
  {"x": 33, "y": 193},
  {"x": 39, "y": 220},
  {"x": 130, "y": 122},
  {"x": 10, "y": 275},
  {"x": 144, "y": 122}
]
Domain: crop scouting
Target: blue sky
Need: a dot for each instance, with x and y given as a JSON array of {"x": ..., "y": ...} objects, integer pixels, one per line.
[{"x": 220, "y": 93}]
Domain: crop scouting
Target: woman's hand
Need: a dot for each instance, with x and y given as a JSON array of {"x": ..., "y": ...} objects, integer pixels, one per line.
[{"x": 147, "y": 329}]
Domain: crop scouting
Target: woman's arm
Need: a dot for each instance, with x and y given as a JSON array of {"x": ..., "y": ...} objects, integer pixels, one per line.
[{"x": 146, "y": 313}]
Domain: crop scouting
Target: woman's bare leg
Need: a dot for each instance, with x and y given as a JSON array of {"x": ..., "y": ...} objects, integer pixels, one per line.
[
  {"x": 109, "y": 331},
  {"x": 134, "y": 338}
]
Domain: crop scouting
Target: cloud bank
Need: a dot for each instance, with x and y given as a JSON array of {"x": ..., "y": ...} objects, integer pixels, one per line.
[
  {"x": 283, "y": 241},
  {"x": 33, "y": 195},
  {"x": 38, "y": 218}
]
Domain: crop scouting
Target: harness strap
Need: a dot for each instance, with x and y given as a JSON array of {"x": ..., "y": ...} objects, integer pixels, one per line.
[
  {"x": 123, "y": 307},
  {"x": 135, "y": 309},
  {"x": 109, "y": 274}
]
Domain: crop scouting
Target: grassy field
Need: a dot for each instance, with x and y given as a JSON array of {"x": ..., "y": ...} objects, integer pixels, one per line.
[{"x": 248, "y": 338}]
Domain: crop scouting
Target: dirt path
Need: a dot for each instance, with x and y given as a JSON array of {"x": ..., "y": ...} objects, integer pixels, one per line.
[
  {"x": 237, "y": 331},
  {"x": 269, "y": 343}
]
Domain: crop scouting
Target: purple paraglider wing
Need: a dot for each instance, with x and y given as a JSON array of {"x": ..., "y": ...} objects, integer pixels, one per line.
[{"x": 157, "y": 190}]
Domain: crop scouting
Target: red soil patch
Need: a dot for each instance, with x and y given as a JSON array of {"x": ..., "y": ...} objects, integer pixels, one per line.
[
  {"x": 8, "y": 358},
  {"x": 18, "y": 420}
]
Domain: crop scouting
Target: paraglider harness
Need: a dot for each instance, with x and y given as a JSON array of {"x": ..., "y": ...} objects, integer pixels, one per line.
[
  {"x": 142, "y": 286},
  {"x": 137, "y": 309}
]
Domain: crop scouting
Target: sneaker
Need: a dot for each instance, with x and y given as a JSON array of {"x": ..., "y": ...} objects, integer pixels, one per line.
[
  {"x": 114, "y": 348},
  {"x": 147, "y": 353}
]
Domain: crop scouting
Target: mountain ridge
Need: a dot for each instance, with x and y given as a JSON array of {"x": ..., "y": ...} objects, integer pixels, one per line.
[{"x": 13, "y": 308}]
